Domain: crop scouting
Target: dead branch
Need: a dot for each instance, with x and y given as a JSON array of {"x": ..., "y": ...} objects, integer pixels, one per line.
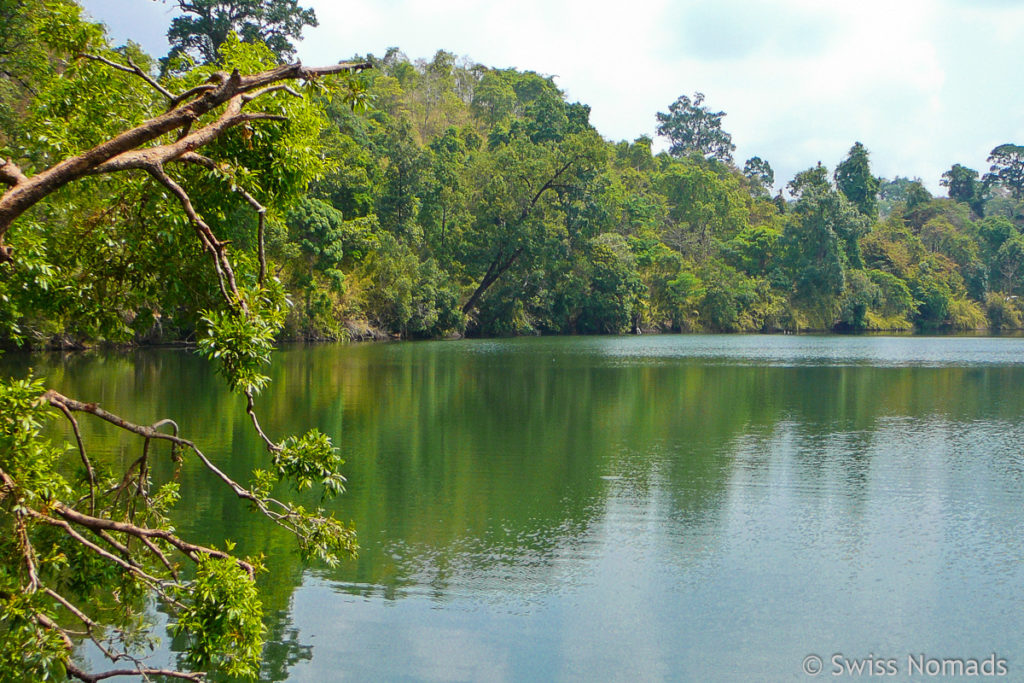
[
  {"x": 132, "y": 68},
  {"x": 92, "y": 678}
]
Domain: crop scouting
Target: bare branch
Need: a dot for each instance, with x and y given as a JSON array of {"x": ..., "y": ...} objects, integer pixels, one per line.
[
  {"x": 257, "y": 116},
  {"x": 249, "y": 97},
  {"x": 261, "y": 211},
  {"x": 92, "y": 678},
  {"x": 191, "y": 550},
  {"x": 206, "y": 162},
  {"x": 198, "y": 90},
  {"x": 28, "y": 553},
  {"x": 152, "y": 580},
  {"x": 206, "y": 236},
  {"x": 261, "y": 231},
  {"x": 10, "y": 174},
  {"x": 85, "y": 459},
  {"x": 160, "y": 556},
  {"x": 54, "y": 398},
  {"x": 89, "y": 623},
  {"x": 250, "y": 408},
  {"x": 116, "y": 545},
  {"x": 132, "y": 68},
  {"x": 46, "y": 622}
]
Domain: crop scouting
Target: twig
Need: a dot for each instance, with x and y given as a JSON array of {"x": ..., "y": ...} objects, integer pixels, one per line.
[
  {"x": 250, "y": 408},
  {"x": 85, "y": 459},
  {"x": 132, "y": 68},
  {"x": 206, "y": 236}
]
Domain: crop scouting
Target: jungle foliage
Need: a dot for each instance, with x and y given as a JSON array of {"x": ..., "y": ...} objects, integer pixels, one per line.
[{"x": 239, "y": 202}]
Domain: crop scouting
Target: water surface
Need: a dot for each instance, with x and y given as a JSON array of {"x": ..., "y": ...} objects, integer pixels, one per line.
[{"x": 653, "y": 508}]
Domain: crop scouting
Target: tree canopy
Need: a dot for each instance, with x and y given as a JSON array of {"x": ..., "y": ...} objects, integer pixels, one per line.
[
  {"x": 204, "y": 26},
  {"x": 692, "y": 128},
  {"x": 241, "y": 202}
]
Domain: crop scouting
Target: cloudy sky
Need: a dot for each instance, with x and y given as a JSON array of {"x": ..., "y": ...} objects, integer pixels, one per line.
[{"x": 923, "y": 84}]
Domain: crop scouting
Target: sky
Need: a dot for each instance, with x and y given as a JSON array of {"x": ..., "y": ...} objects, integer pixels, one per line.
[{"x": 923, "y": 84}]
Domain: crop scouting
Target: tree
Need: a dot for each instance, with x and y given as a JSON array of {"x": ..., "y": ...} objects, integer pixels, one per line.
[
  {"x": 703, "y": 206},
  {"x": 814, "y": 178},
  {"x": 513, "y": 201},
  {"x": 1007, "y": 169},
  {"x": 693, "y": 129},
  {"x": 760, "y": 174},
  {"x": 964, "y": 186},
  {"x": 854, "y": 179},
  {"x": 206, "y": 24},
  {"x": 84, "y": 554},
  {"x": 820, "y": 242}
]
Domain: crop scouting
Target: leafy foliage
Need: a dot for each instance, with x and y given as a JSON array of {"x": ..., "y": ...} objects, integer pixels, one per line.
[
  {"x": 221, "y": 618},
  {"x": 420, "y": 199},
  {"x": 693, "y": 129},
  {"x": 854, "y": 179},
  {"x": 205, "y": 25}
]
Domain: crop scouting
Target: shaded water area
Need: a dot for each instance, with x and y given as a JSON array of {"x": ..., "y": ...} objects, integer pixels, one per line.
[{"x": 656, "y": 508}]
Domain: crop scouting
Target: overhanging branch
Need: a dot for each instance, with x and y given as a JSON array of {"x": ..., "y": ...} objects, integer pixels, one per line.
[{"x": 221, "y": 88}]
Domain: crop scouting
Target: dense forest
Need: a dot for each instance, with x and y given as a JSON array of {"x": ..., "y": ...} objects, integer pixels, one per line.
[
  {"x": 228, "y": 196},
  {"x": 453, "y": 198}
]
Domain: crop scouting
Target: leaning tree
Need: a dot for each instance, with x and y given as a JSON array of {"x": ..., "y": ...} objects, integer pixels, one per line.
[{"x": 104, "y": 147}]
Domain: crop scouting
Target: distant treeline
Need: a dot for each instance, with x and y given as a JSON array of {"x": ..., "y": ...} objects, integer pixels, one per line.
[
  {"x": 438, "y": 198},
  {"x": 474, "y": 200}
]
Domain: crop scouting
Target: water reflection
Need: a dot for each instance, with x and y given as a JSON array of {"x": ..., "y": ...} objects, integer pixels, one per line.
[{"x": 655, "y": 508}]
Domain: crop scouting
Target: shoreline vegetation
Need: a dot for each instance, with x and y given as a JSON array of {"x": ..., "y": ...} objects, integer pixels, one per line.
[
  {"x": 229, "y": 197},
  {"x": 450, "y": 199}
]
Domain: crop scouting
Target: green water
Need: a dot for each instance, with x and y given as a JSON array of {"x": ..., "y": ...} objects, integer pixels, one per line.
[{"x": 601, "y": 509}]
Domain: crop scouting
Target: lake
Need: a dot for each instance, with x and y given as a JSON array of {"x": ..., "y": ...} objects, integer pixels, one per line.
[{"x": 719, "y": 508}]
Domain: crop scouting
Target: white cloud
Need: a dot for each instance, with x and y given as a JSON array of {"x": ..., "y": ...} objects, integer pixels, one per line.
[{"x": 922, "y": 83}]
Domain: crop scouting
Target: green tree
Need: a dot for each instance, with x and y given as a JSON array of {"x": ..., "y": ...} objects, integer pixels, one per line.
[
  {"x": 514, "y": 201},
  {"x": 854, "y": 179},
  {"x": 963, "y": 186},
  {"x": 204, "y": 26},
  {"x": 820, "y": 242},
  {"x": 814, "y": 178},
  {"x": 1007, "y": 169},
  {"x": 694, "y": 129},
  {"x": 87, "y": 550},
  {"x": 760, "y": 174},
  {"x": 704, "y": 207}
]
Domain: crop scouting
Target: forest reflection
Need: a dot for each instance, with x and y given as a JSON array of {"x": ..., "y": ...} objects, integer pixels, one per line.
[{"x": 488, "y": 469}]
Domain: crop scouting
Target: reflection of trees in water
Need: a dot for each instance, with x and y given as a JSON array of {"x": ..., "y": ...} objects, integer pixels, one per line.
[{"x": 490, "y": 466}]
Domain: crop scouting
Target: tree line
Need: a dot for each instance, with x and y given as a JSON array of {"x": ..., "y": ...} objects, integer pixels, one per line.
[
  {"x": 224, "y": 196},
  {"x": 452, "y": 198}
]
